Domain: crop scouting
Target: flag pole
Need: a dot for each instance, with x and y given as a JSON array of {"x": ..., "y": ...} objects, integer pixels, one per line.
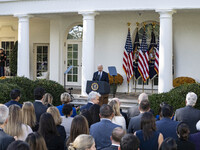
[
  {"x": 142, "y": 86},
  {"x": 129, "y": 24}
]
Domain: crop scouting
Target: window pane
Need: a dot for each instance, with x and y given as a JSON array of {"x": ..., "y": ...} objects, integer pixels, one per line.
[
  {"x": 76, "y": 32},
  {"x": 75, "y": 70},
  {"x": 75, "y": 78},
  {"x": 69, "y": 62},
  {"x": 69, "y": 78},
  {"x": 69, "y": 55},
  {"x": 75, "y": 62},
  {"x": 75, "y": 55},
  {"x": 39, "y": 49},
  {"x": 75, "y": 47},
  {"x": 156, "y": 81},
  {"x": 45, "y": 49},
  {"x": 69, "y": 47}
]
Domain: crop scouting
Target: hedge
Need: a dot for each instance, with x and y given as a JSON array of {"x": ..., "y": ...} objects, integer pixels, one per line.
[
  {"x": 175, "y": 97},
  {"x": 27, "y": 86}
]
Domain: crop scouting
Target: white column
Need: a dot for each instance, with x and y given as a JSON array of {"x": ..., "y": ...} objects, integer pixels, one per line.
[
  {"x": 165, "y": 79},
  {"x": 23, "y": 58},
  {"x": 87, "y": 48}
]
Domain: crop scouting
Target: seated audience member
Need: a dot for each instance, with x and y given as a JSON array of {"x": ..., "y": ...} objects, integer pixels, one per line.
[
  {"x": 94, "y": 111},
  {"x": 79, "y": 126},
  {"x": 134, "y": 111},
  {"x": 83, "y": 142},
  {"x": 194, "y": 138},
  {"x": 183, "y": 132},
  {"x": 87, "y": 115},
  {"x": 150, "y": 139},
  {"x": 189, "y": 114},
  {"x": 101, "y": 131},
  {"x": 118, "y": 118},
  {"x": 66, "y": 99},
  {"x": 166, "y": 126},
  {"x": 48, "y": 100},
  {"x": 47, "y": 128},
  {"x": 36, "y": 141},
  {"x": 15, "y": 97},
  {"x": 115, "y": 138},
  {"x": 28, "y": 115},
  {"x": 135, "y": 122},
  {"x": 58, "y": 120},
  {"x": 5, "y": 139},
  {"x": 18, "y": 145},
  {"x": 129, "y": 142},
  {"x": 38, "y": 104},
  {"x": 66, "y": 119},
  {"x": 168, "y": 144},
  {"x": 93, "y": 98},
  {"x": 15, "y": 127}
]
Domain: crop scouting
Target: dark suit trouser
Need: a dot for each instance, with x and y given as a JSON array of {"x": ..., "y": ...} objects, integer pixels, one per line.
[{"x": 103, "y": 99}]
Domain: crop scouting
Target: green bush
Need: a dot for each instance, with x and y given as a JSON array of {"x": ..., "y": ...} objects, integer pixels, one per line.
[
  {"x": 52, "y": 87},
  {"x": 27, "y": 86},
  {"x": 175, "y": 97},
  {"x": 5, "y": 91}
]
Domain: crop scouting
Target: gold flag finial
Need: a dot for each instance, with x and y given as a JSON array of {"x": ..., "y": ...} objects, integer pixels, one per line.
[
  {"x": 144, "y": 24},
  {"x": 137, "y": 24},
  {"x": 154, "y": 24},
  {"x": 129, "y": 24}
]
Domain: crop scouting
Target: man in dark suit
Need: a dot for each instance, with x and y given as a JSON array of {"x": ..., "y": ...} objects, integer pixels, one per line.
[
  {"x": 116, "y": 137},
  {"x": 101, "y": 75},
  {"x": 38, "y": 104},
  {"x": 102, "y": 130},
  {"x": 5, "y": 139},
  {"x": 93, "y": 98},
  {"x": 15, "y": 97},
  {"x": 189, "y": 114},
  {"x": 166, "y": 125},
  {"x": 135, "y": 122}
]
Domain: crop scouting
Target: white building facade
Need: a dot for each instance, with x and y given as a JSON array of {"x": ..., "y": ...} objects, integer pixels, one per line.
[{"x": 55, "y": 34}]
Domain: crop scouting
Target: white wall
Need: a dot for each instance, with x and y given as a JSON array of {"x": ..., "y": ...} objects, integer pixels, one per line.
[{"x": 186, "y": 45}]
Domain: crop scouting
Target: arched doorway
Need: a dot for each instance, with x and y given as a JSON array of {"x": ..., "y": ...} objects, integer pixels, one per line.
[{"x": 74, "y": 55}]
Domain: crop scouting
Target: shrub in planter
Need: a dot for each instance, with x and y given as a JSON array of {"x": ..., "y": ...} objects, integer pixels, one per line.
[
  {"x": 175, "y": 97},
  {"x": 25, "y": 84},
  {"x": 51, "y": 87},
  {"x": 5, "y": 92}
]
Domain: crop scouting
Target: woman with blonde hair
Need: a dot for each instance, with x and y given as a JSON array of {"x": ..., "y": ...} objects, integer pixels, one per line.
[
  {"x": 28, "y": 115},
  {"x": 118, "y": 118},
  {"x": 36, "y": 141},
  {"x": 48, "y": 100},
  {"x": 58, "y": 120},
  {"x": 65, "y": 98},
  {"x": 83, "y": 142},
  {"x": 15, "y": 127}
]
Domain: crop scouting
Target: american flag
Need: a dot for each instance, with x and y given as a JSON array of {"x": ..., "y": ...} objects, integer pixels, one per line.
[
  {"x": 143, "y": 64},
  {"x": 128, "y": 57},
  {"x": 156, "y": 66}
]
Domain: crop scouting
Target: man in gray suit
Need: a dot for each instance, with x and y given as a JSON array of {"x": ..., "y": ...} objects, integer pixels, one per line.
[
  {"x": 135, "y": 122},
  {"x": 189, "y": 114},
  {"x": 134, "y": 111}
]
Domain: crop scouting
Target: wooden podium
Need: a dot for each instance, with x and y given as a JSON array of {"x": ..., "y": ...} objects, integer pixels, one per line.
[{"x": 101, "y": 87}]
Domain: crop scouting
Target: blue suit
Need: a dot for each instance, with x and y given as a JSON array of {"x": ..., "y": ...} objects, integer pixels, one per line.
[
  {"x": 12, "y": 102},
  {"x": 167, "y": 127},
  {"x": 101, "y": 132},
  {"x": 104, "y": 77},
  {"x": 87, "y": 106}
]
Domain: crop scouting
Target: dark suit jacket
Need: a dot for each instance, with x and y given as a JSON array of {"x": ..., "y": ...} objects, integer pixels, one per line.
[
  {"x": 87, "y": 106},
  {"x": 104, "y": 77},
  {"x": 39, "y": 109},
  {"x": 5, "y": 140},
  {"x": 167, "y": 127},
  {"x": 134, "y": 123},
  {"x": 185, "y": 145},
  {"x": 188, "y": 115},
  {"x": 111, "y": 147},
  {"x": 101, "y": 132},
  {"x": 12, "y": 102},
  {"x": 194, "y": 138}
]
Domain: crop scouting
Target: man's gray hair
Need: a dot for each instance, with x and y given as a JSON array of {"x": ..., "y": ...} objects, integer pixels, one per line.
[
  {"x": 191, "y": 99},
  {"x": 100, "y": 65},
  {"x": 4, "y": 112},
  {"x": 142, "y": 96},
  {"x": 92, "y": 95}
]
